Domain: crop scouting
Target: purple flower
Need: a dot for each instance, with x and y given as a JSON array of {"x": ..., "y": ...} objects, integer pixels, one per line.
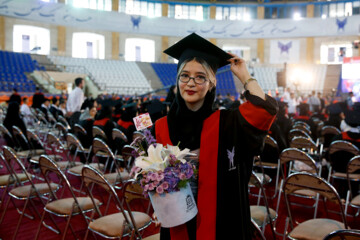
[
  {"x": 143, "y": 182},
  {"x": 147, "y": 178},
  {"x": 172, "y": 159},
  {"x": 159, "y": 189},
  {"x": 134, "y": 153},
  {"x": 146, "y": 187},
  {"x": 160, "y": 177},
  {"x": 151, "y": 186}
]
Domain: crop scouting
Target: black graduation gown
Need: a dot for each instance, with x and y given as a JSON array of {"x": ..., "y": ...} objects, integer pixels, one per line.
[{"x": 230, "y": 141}]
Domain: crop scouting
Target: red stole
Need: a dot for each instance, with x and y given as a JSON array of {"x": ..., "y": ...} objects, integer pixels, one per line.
[
  {"x": 124, "y": 124},
  {"x": 207, "y": 185},
  {"x": 101, "y": 122},
  {"x": 345, "y": 136}
]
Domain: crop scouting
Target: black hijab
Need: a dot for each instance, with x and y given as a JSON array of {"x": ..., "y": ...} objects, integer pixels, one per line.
[
  {"x": 13, "y": 118},
  {"x": 185, "y": 125}
]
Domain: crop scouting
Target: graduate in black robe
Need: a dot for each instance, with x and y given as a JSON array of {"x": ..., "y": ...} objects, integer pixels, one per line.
[{"x": 227, "y": 139}]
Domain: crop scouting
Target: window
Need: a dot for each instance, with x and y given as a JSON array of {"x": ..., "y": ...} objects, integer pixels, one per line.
[
  {"x": 88, "y": 45},
  {"x": 31, "y": 39},
  {"x": 334, "y": 53},
  {"x": 92, "y": 4},
  {"x": 139, "y": 49},
  {"x": 348, "y": 9},
  {"x": 188, "y": 12}
]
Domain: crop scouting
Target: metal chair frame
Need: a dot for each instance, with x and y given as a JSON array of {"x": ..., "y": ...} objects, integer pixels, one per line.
[
  {"x": 12, "y": 159},
  {"x": 90, "y": 177},
  {"x": 47, "y": 167},
  {"x": 353, "y": 166},
  {"x": 349, "y": 234},
  {"x": 299, "y": 181}
]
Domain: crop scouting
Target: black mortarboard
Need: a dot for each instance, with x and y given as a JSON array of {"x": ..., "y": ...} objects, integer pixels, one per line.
[
  {"x": 195, "y": 46},
  {"x": 304, "y": 109},
  {"x": 155, "y": 106},
  {"x": 334, "y": 109},
  {"x": 352, "y": 118}
]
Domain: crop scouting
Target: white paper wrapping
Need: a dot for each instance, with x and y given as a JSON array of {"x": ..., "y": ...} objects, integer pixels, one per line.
[{"x": 176, "y": 208}]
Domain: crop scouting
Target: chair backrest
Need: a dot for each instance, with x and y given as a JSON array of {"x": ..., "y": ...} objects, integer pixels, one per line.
[
  {"x": 19, "y": 136},
  {"x": 301, "y": 123},
  {"x": 15, "y": 164},
  {"x": 100, "y": 146},
  {"x": 303, "y": 142},
  {"x": 98, "y": 132},
  {"x": 91, "y": 177},
  {"x": 341, "y": 145},
  {"x": 300, "y": 181},
  {"x": 54, "y": 142},
  {"x": 5, "y": 131},
  {"x": 348, "y": 234},
  {"x": 79, "y": 130},
  {"x": 116, "y": 133},
  {"x": 73, "y": 141},
  {"x": 32, "y": 136},
  {"x": 353, "y": 165},
  {"x": 139, "y": 135},
  {"x": 340, "y": 153},
  {"x": 302, "y": 127},
  {"x": 48, "y": 166},
  {"x": 294, "y": 154},
  {"x": 63, "y": 121},
  {"x": 298, "y": 133},
  {"x": 257, "y": 231},
  {"x": 330, "y": 130},
  {"x": 61, "y": 128}
]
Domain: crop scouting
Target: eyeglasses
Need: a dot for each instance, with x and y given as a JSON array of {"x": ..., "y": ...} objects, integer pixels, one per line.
[{"x": 185, "y": 78}]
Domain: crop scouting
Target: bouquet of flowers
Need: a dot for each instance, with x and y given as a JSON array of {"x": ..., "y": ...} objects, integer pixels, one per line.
[{"x": 164, "y": 175}]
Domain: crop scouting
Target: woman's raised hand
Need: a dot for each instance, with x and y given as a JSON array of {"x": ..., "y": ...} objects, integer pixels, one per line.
[{"x": 238, "y": 67}]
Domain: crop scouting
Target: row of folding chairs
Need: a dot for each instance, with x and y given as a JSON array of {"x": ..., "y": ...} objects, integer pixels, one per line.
[{"x": 58, "y": 199}]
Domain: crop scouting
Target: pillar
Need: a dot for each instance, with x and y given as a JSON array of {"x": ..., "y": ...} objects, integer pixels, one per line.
[
  {"x": 260, "y": 42},
  {"x": 310, "y": 40}
]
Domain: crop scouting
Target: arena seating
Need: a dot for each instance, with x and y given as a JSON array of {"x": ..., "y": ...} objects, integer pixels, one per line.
[
  {"x": 112, "y": 76},
  {"x": 225, "y": 80},
  {"x": 13, "y": 67}
]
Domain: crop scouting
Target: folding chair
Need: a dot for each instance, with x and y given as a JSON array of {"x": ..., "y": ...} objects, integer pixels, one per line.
[
  {"x": 344, "y": 235},
  {"x": 62, "y": 207},
  {"x": 117, "y": 177},
  {"x": 7, "y": 135},
  {"x": 99, "y": 133},
  {"x": 81, "y": 134},
  {"x": 351, "y": 176},
  {"x": 34, "y": 138},
  {"x": 20, "y": 137},
  {"x": 139, "y": 135},
  {"x": 303, "y": 128},
  {"x": 340, "y": 152},
  {"x": 298, "y": 161},
  {"x": 297, "y": 133},
  {"x": 327, "y": 134},
  {"x": 269, "y": 160},
  {"x": 302, "y": 124},
  {"x": 64, "y": 122},
  {"x": 121, "y": 222},
  {"x": 128, "y": 153},
  {"x": 24, "y": 192},
  {"x": 61, "y": 130},
  {"x": 316, "y": 228},
  {"x": 8, "y": 179},
  {"x": 116, "y": 133},
  {"x": 307, "y": 145},
  {"x": 262, "y": 215},
  {"x": 257, "y": 231}
]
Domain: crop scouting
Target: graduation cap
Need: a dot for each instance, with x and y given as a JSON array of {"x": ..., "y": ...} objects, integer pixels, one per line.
[
  {"x": 129, "y": 112},
  {"x": 195, "y": 46},
  {"x": 352, "y": 118},
  {"x": 304, "y": 109},
  {"x": 334, "y": 109},
  {"x": 155, "y": 106},
  {"x": 110, "y": 102}
]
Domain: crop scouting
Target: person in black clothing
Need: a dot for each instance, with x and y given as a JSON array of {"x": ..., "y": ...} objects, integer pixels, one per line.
[
  {"x": 38, "y": 98},
  {"x": 171, "y": 94},
  {"x": 54, "y": 108},
  {"x": 228, "y": 140},
  {"x": 125, "y": 123},
  {"x": 15, "y": 97},
  {"x": 13, "y": 118},
  {"x": 350, "y": 128},
  {"x": 105, "y": 122}
]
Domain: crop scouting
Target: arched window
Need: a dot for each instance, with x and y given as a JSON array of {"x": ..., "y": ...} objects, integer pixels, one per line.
[
  {"x": 140, "y": 50},
  {"x": 30, "y": 39},
  {"x": 88, "y": 45}
]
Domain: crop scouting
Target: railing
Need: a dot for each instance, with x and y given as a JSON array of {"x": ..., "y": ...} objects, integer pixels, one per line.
[{"x": 83, "y": 70}]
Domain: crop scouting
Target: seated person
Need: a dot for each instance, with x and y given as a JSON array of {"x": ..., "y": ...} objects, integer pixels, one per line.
[
  {"x": 105, "y": 122},
  {"x": 350, "y": 128},
  {"x": 13, "y": 118},
  {"x": 86, "y": 120},
  {"x": 126, "y": 123}
]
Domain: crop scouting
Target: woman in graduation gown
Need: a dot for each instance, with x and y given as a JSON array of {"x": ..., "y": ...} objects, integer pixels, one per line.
[{"x": 227, "y": 140}]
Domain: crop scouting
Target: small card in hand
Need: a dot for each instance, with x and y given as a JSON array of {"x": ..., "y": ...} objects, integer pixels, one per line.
[{"x": 142, "y": 121}]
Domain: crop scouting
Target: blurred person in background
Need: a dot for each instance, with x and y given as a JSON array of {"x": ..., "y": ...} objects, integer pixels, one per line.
[
  {"x": 15, "y": 97},
  {"x": 25, "y": 111},
  {"x": 13, "y": 118},
  {"x": 38, "y": 98},
  {"x": 76, "y": 97}
]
